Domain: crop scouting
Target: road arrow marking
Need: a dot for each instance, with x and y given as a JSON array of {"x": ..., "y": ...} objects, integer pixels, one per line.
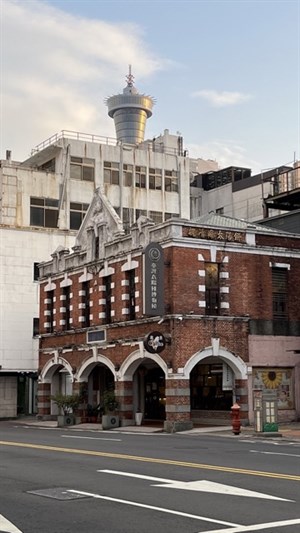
[
  {"x": 275, "y": 453},
  {"x": 8, "y": 527},
  {"x": 201, "y": 486}
]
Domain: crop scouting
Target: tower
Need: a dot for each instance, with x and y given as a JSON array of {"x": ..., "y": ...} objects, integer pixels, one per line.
[{"x": 130, "y": 111}]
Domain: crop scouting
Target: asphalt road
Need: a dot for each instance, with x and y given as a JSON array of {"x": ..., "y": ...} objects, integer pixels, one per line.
[{"x": 75, "y": 481}]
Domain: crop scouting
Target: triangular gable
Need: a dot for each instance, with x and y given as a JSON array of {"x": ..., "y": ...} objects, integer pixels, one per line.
[{"x": 100, "y": 214}]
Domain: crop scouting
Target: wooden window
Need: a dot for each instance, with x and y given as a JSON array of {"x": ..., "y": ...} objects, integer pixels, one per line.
[
  {"x": 131, "y": 288},
  {"x": 279, "y": 293},
  {"x": 50, "y": 308},
  {"x": 212, "y": 289},
  {"x": 86, "y": 302},
  {"x": 66, "y": 293},
  {"x": 108, "y": 295}
]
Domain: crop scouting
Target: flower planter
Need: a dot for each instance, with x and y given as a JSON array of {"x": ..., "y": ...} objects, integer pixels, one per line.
[
  {"x": 110, "y": 421},
  {"x": 138, "y": 418},
  {"x": 65, "y": 420}
]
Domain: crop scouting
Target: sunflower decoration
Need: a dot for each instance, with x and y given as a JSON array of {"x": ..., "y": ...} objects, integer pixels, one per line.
[{"x": 271, "y": 379}]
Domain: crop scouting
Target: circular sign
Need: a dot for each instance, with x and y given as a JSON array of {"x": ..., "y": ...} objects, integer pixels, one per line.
[
  {"x": 154, "y": 254},
  {"x": 155, "y": 342}
]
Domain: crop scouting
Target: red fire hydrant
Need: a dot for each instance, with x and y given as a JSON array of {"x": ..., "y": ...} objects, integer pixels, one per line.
[{"x": 235, "y": 419}]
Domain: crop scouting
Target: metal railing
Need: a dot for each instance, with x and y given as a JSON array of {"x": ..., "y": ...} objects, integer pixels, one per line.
[
  {"x": 111, "y": 141},
  {"x": 78, "y": 136}
]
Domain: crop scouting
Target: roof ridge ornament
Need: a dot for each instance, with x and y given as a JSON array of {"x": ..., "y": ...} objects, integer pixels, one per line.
[{"x": 130, "y": 78}]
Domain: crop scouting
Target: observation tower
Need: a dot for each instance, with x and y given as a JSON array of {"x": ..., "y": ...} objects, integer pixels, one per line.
[{"x": 130, "y": 111}]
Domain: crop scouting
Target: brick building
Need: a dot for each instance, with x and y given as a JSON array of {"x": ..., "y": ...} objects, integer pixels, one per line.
[{"x": 182, "y": 318}]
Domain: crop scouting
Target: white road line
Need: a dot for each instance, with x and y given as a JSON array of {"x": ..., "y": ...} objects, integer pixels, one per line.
[
  {"x": 7, "y": 526},
  {"x": 90, "y": 438},
  {"x": 275, "y": 453},
  {"x": 137, "y": 476},
  {"x": 154, "y": 508},
  {"x": 201, "y": 485},
  {"x": 258, "y": 527}
]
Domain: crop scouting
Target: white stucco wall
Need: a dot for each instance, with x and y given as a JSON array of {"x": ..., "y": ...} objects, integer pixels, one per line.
[{"x": 19, "y": 303}]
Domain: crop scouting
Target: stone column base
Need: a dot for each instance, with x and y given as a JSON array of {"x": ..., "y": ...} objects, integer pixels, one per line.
[{"x": 174, "y": 426}]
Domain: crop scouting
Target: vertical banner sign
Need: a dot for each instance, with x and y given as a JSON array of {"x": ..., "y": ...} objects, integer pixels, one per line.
[{"x": 153, "y": 280}]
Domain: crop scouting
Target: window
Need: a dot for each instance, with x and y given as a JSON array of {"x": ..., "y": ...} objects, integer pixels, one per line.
[
  {"x": 35, "y": 271},
  {"x": 50, "y": 309},
  {"x": 212, "y": 289},
  {"x": 171, "y": 215},
  {"x": 36, "y": 327},
  {"x": 77, "y": 214},
  {"x": 96, "y": 247},
  {"x": 279, "y": 293},
  {"x": 49, "y": 166},
  {"x": 140, "y": 177},
  {"x": 127, "y": 218},
  {"x": 171, "y": 180},
  {"x": 127, "y": 175},
  {"x": 139, "y": 213},
  {"x": 155, "y": 178},
  {"x": 107, "y": 285},
  {"x": 66, "y": 294},
  {"x": 86, "y": 302},
  {"x": 156, "y": 216},
  {"x": 130, "y": 277},
  {"x": 111, "y": 173},
  {"x": 82, "y": 168},
  {"x": 220, "y": 211},
  {"x": 43, "y": 212}
]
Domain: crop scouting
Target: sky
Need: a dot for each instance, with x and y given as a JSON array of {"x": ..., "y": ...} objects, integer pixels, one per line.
[{"x": 224, "y": 74}]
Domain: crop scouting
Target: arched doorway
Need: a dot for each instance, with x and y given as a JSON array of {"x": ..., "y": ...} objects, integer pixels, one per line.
[
  {"x": 210, "y": 390},
  {"x": 147, "y": 375},
  {"x": 215, "y": 374}
]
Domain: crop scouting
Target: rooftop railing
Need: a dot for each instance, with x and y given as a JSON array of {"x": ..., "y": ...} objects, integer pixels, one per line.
[
  {"x": 111, "y": 141},
  {"x": 78, "y": 136}
]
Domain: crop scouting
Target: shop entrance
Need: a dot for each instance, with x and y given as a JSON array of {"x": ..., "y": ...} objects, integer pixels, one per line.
[
  {"x": 208, "y": 392},
  {"x": 155, "y": 400}
]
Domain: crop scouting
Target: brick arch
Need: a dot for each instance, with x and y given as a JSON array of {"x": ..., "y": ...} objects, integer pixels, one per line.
[
  {"x": 236, "y": 363},
  {"x": 90, "y": 363},
  {"x": 52, "y": 366},
  {"x": 133, "y": 361}
]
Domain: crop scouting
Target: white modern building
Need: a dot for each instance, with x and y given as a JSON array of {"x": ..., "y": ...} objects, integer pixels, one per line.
[{"x": 43, "y": 202}]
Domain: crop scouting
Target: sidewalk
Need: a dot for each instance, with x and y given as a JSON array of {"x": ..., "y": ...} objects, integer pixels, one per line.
[{"x": 289, "y": 431}]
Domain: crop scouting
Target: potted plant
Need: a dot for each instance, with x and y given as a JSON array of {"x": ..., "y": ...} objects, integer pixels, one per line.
[
  {"x": 92, "y": 413},
  {"x": 110, "y": 405},
  {"x": 66, "y": 404}
]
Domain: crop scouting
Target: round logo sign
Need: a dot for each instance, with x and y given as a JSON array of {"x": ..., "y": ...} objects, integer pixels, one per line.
[
  {"x": 154, "y": 254},
  {"x": 155, "y": 342}
]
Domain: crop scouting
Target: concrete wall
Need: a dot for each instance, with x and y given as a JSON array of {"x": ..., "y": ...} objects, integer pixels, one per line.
[{"x": 8, "y": 396}]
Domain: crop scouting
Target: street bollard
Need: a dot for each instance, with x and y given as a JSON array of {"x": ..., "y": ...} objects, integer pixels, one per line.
[{"x": 235, "y": 419}]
